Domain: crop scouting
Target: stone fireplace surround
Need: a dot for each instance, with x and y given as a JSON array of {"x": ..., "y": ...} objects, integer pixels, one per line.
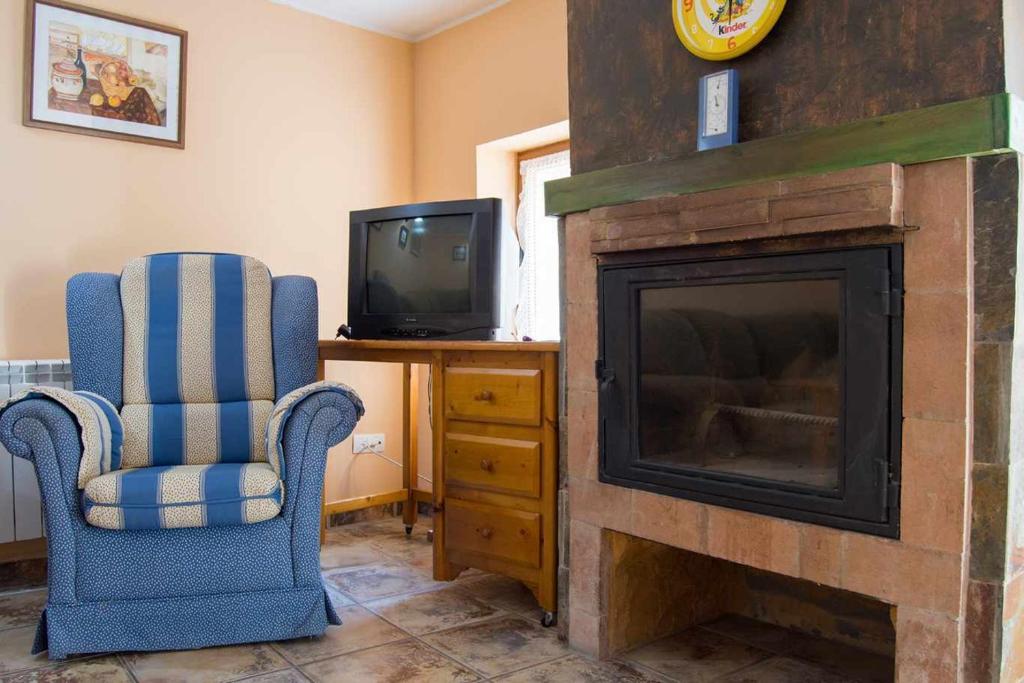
[{"x": 942, "y": 629}]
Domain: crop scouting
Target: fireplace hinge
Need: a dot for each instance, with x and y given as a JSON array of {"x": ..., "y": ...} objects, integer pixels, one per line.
[
  {"x": 891, "y": 486},
  {"x": 892, "y": 495},
  {"x": 892, "y": 302},
  {"x": 604, "y": 374}
]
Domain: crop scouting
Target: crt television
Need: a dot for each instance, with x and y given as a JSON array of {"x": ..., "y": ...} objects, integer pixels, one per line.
[{"x": 425, "y": 271}]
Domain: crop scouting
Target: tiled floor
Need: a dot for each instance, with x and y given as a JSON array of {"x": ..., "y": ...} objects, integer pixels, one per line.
[{"x": 400, "y": 625}]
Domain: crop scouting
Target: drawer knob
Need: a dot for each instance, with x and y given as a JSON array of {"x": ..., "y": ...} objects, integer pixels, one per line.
[
  {"x": 486, "y": 532},
  {"x": 487, "y": 465},
  {"x": 486, "y": 396}
]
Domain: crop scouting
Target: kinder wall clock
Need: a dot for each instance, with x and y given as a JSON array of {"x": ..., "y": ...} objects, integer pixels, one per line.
[{"x": 724, "y": 29}]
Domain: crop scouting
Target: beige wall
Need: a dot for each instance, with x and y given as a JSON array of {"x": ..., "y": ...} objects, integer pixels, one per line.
[
  {"x": 293, "y": 121},
  {"x": 503, "y": 73},
  {"x": 478, "y": 84}
]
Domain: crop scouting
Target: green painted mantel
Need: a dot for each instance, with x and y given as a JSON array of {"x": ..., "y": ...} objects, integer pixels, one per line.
[{"x": 985, "y": 125}]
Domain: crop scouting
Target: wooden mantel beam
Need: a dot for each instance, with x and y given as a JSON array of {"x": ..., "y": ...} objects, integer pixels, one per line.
[{"x": 968, "y": 128}]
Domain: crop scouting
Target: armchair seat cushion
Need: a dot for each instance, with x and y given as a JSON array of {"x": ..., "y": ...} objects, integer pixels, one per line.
[{"x": 179, "y": 496}]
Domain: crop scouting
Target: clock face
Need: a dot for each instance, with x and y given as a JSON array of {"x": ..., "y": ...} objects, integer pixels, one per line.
[
  {"x": 716, "y": 106},
  {"x": 723, "y": 29}
]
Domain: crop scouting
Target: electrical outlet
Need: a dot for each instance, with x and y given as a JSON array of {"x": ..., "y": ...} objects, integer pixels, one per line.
[{"x": 368, "y": 443}]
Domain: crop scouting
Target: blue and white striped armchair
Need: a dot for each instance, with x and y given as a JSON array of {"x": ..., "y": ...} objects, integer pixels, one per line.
[{"x": 182, "y": 480}]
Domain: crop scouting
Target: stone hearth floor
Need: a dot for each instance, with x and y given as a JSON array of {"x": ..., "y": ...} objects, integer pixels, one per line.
[{"x": 401, "y": 626}]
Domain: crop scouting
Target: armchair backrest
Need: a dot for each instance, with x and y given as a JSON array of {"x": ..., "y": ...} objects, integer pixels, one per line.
[
  {"x": 198, "y": 362},
  {"x": 202, "y": 345}
]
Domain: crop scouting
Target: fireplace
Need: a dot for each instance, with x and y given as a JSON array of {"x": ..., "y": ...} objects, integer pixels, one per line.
[
  {"x": 763, "y": 383},
  {"x": 946, "y": 234}
]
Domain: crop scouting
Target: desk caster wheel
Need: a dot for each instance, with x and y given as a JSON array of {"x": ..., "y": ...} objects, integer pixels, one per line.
[
  {"x": 430, "y": 535},
  {"x": 408, "y": 529},
  {"x": 547, "y": 620}
]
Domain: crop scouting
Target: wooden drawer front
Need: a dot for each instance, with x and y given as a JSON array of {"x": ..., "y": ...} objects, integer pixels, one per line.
[
  {"x": 485, "y": 395},
  {"x": 502, "y": 465},
  {"x": 511, "y": 535}
]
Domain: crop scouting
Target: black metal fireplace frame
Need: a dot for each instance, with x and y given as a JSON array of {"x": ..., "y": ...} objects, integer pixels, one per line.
[{"x": 871, "y": 279}]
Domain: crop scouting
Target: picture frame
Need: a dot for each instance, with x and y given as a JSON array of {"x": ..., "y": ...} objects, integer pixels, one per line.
[{"x": 92, "y": 72}]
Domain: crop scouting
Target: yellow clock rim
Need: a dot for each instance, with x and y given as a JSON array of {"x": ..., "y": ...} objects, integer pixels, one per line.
[{"x": 769, "y": 23}]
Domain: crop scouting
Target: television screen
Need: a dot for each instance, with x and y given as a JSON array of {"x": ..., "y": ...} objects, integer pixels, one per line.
[{"x": 419, "y": 265}]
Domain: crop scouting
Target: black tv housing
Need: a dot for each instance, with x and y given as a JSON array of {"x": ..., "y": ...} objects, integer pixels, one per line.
[{"x": 407, "y": 265}]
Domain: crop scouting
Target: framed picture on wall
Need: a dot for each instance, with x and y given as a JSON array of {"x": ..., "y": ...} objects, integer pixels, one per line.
[{"x": 97, "y": 73}]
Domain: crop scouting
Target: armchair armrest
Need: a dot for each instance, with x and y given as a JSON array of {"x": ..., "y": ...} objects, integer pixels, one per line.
[
  {"x": 328, "y": 395},
  {"x": 303, "y": 426},
  {"x": 96, "y": 421},
  {"x": 45, "y": 433}
]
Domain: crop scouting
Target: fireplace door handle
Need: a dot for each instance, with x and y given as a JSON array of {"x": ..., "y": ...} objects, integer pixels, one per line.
[{"x": 484, "y": 395}]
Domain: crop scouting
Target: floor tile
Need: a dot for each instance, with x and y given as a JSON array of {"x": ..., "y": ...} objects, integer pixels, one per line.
[
  {"x": 504, "y": 593},
  {"x": 337, "y": 598},
  {"x": 209, "y": 665},
  {"x": 469, "y": 575},
  {"x": 579, "y": 668},
  {"x": 334, "y": 555},
  {"x": 500, "y": 645},
  {"x": 841, "y": 658},
  {"x": 402, "y": 545},
  {"x": 360, "y": 629},
  {"x": 381, "y": 580},
  {"x": 15, "y": 646},
  {"x": 364, "y": 530},
  {"x": 432, "y": 611},
  {"x": 696, "y": 655},
  {"x": 285, "y": 676},
  {"x": 21, "y": 609},
  {"x": 424, "y": 562},
  {"x": 757, "y": 633},
  {"x": 106, "y": 669},
  {"x": 415, "y": 552},
  {"x": 341, "y": 535},
  {"x": 785, "y": 670},
  {"x": 408, "y": 661}
]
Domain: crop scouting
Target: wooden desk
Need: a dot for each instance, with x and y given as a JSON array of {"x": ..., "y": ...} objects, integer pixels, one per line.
[{"x": 495, "y": 454}]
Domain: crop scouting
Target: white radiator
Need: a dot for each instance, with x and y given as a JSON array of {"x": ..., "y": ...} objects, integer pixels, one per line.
[{"x": 21, "y": 513}]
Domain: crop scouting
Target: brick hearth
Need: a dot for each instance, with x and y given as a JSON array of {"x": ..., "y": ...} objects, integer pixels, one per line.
[{"x": 947, "y": 622}]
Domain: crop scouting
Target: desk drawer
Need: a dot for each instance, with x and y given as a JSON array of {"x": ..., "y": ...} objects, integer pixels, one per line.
[
  {"x": 510, "y": 535},
  {"x": 506, "y": 395},
  {"x": 502, "y": 465}
]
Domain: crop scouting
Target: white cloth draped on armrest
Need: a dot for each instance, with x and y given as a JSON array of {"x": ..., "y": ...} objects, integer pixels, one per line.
[
  {"x": 283, "y": 410},
  {"x": 98, "y": 423}
]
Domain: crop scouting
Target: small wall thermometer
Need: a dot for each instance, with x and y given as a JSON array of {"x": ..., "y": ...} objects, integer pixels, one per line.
[{"x": 718, "y": 115}]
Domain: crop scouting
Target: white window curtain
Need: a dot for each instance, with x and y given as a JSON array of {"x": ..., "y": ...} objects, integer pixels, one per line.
[{"x": 536, "y": 310}]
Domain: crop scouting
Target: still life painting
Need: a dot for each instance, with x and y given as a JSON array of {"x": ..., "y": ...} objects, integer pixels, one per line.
[{"x": 97, "y": 73}]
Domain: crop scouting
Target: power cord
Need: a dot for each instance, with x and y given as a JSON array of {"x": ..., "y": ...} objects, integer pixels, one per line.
[
  {"x": 430, "y": 420},
  {"x": 380, "y": 454}
]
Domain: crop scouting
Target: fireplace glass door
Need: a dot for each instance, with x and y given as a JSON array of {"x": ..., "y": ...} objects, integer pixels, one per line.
[{"x": 765, "y": 383}]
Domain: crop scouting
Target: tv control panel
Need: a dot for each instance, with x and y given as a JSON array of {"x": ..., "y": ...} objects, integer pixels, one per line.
[{"x": 413, "y": 332}]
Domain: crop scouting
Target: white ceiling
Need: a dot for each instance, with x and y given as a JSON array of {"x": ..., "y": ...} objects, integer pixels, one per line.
[{"x": 406, "y": 19}]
